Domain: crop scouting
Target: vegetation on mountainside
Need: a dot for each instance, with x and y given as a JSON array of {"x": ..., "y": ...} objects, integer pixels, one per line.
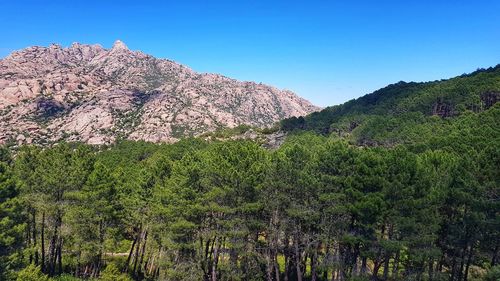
[
  {"x": 422, "y": 206},
  {"x": 399, "y": 113}
]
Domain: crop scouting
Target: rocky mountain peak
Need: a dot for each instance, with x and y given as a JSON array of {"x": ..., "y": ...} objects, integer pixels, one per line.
[
  {"x": 95, "y": 95},
  {"x": 55, "y": 46},
  {"x": 119, "y": 46}
]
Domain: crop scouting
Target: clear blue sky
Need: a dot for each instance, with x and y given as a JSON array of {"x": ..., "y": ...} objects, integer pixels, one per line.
[{"x": 326, "y": 51}]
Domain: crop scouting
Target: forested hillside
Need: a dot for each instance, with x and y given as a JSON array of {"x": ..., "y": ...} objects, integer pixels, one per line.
[
  {"x": 402, "y": 184},
  {"x": 407, "y": 112}
]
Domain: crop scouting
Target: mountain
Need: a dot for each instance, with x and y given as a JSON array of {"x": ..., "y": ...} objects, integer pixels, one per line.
[
  {"x": 95, "y": 95},
  {"x": 414, "y": 113}
]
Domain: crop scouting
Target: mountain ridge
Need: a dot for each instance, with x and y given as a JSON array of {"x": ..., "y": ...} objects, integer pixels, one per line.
[{"x": 91, "y": 94}]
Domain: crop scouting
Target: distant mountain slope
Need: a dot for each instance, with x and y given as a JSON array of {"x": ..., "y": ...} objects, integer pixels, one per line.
[
  {"x": 91, "y": 94},
  {"x": 409, "y": 112}
]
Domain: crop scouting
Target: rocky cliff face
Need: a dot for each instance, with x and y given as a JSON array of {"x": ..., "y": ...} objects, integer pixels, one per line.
[{"x": 96, "y": 95}]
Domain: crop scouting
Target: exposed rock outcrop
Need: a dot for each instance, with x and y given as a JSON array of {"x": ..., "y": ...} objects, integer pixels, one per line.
[
  {"x": 489, "y": 99},
  {"x": 442, "y": 109},
  {"x": 96, "y": 95}
]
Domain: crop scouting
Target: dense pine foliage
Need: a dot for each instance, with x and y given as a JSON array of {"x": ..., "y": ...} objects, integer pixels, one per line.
[{"x": 399, "y": 185}]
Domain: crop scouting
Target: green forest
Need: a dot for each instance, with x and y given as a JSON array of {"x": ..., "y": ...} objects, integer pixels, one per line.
[{"x": 401, "y": 184}]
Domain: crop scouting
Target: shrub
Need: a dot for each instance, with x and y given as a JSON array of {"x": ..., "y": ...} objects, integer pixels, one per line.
[
  {"x": 31, "y": 273},
  {"x": 493, "y": 274},
  {"x": 66, "y": 277},
  {"x": 111, "y": 273}
]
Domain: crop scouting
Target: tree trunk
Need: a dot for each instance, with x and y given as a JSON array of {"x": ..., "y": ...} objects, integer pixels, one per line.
[
  {"x": 303, "y": 265},
  {"x": 233, "y": 256},
  {"x": 276, "y": 266},
  {"x": 151, "y": 264},
  {"x": 215, "y": 259},
  {"x": 286, "y": 253},
  {"x": 363, "y": 266},
  {"x": 269, "y": 266},
  {"x": 469, "y": 261},
  {"x": 439, "y": 267},
  {"x": 205, "y": 262},
  {"x": 494, "y": 257},
  {"x": 57, "y": 241},
  {"x": 157, "y": 271},
  {"x": 395, "y": 266},
  {"x": 431, "y": 268},
  {"x": 29, "y": 240},
  {"x": 314, "y": 263},
  {"x": 136, "y": 256},
  {"x": 297, "y": 256},
  {"x": 222, "y": 245},
  {"x": 210, "y": 257},
  {"x": 101, "y": 245},
  {"x": 453, "y": 268},
  {"x": 143, "y": 249},
  {"x": 343, "y": 259},
  {"x": 386, "y": 267},
  {"x": 51, "y": 255},
  {"x": 34, "y": 237},
  {"x": 327, "y": 254},
  {"x": 376, "y": 269},
  {"x": 53, "y": 249},
  {"x": 42, "y": 238},
  {"x": 59, "y": 255},
  {"x": 354, "y": 263},
  {"x": 131, "y": 253},
  {"x": 462, "y": 262},
  {"x": 78, "y": 264}
]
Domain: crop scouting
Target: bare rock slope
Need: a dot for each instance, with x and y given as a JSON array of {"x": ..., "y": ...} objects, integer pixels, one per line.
[{"x": 96, "y": 95}]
